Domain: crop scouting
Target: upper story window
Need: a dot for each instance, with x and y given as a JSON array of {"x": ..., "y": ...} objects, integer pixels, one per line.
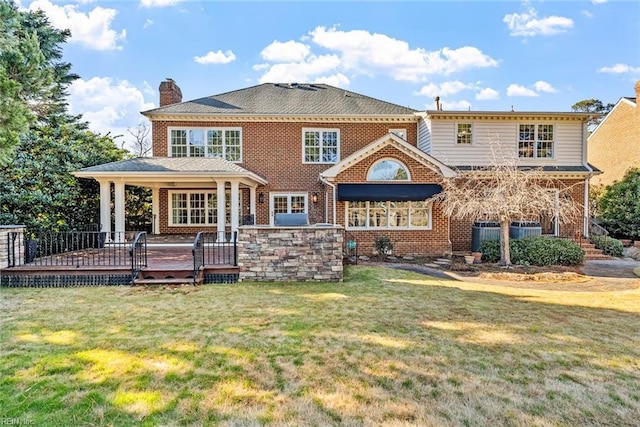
[
  {"x": 402, "y": 133},
  {"x": 388, "y": 170},
  {"x": 320, "y": 145},
  {"x": 223, "y": 143},
  {"x": 536, "y": 141},
  {"x": 464, "y": 133}
]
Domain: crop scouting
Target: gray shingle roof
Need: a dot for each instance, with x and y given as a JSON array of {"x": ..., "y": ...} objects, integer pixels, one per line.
[
  {"x": 168, "y": 164},
  {"x": 285, "y": 99}
]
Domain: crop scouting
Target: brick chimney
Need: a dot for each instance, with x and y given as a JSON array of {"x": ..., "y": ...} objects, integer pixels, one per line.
[{"x": 170, "y": 93}]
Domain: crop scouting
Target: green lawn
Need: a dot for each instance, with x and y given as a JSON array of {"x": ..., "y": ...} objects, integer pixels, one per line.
[{"x": 385, "y": 347}]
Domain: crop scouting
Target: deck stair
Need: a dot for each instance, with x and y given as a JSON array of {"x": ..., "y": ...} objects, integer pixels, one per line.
[{"x": 168, "y": 276}]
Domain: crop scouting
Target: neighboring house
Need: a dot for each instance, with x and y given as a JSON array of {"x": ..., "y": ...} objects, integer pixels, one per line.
[
  {"x": 614, "y": 146},
  {"x": 334, "y": 155}
]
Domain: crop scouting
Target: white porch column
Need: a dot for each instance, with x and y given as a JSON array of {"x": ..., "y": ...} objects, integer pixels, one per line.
[
  {"x": 155, "y": 209},
  {"x": 105, "y": 208},
  {"x": 119, "y": 207},
  {"x": 235, "y": 205},
  {"x": 222, "y": 214},
  {"x": 252, "y": 203}
]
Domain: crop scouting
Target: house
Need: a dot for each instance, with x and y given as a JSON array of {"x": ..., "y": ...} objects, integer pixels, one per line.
[
  {"x": 614, "y": 146},
  {"x": 335, "y": 156}
]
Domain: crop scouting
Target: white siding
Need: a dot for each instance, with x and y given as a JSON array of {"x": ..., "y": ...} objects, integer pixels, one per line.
[
  {"x": 504, "y": 135},
  {"x": 424, "y": 135}
]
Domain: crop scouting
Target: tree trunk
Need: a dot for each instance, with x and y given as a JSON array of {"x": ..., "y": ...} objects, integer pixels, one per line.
[{"x": 505, "y": 253}]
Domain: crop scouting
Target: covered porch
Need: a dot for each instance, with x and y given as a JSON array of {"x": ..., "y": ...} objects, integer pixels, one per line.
[{"x": 190, "y": 188}]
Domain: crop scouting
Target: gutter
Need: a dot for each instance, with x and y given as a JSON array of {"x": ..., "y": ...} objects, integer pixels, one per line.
[{"x": 323, "y": 180}]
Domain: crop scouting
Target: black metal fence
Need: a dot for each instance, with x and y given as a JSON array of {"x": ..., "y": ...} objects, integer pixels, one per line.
[
  {"x": 68, "y": 248},
  {"x": 138, "y": 254},
  {"x": 215, "y": 248}
]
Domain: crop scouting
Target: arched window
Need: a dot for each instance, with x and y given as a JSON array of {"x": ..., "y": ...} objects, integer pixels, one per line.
[{"x": 388, "y": 170}]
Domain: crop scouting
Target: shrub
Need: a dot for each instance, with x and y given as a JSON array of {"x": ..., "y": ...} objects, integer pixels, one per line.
[
  {"x": 608, "y": 245},
  {"x": 383, "y": 245},
  {"x": 620, "y": 206},
  {"x": 536, "y": 250}
]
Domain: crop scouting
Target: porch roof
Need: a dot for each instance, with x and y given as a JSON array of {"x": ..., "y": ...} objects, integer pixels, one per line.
[{"x": 174, "y": 169}]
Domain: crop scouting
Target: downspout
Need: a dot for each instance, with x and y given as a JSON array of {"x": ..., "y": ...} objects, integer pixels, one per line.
[{"x": 323, "y": 180}]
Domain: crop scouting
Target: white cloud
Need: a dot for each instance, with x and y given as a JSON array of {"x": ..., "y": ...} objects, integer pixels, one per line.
[
  {"x": 108, "y": 105},
  {"x": 527, "y": 24},
  {"x": 456, "y": 105},
  {"x": 338, "y": 80},
  {"x": 290, "y": 51},
  {"x": 158, "y": 3},
  {"x": 312, "y": 69},
  {"x": 542, "y": 86},
  {"x": 487, "y": 94},
  {"x": 147, "y": 23},
  {"x": 619, "y": 69},
  {"x": 517, "y": 90},
  {"x": 218, "y": 57},
  {"x": 587, "y": 13},
  {"x": 371, "y": 53},
  {"x": 598, "y": 1},
  {"x": 442, "y": 89},
  {"x": 91, "y": 29}
]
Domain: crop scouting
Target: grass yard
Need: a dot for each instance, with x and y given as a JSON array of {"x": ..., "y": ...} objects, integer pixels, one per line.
[{"x": 387, "y": 347}]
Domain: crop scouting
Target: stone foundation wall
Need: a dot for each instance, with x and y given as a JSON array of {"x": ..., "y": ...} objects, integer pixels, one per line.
[
  {"x": 5, "y": 232},
  {"x": 288, "y": 254}
]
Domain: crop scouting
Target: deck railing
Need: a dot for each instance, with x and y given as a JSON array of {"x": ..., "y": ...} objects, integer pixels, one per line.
[
  {"x": 596, "y": 229},
  {"x": 73, "y": 248},
  {"x": 215, "y": 248},
  {"x": 198, "y": 255},
  {"x": 138, "y": 254}
]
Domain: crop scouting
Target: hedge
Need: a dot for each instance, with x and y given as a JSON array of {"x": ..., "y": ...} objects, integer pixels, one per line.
[
  {"x": 608, "y": 245},
  {"x": 538, "y": 250}
]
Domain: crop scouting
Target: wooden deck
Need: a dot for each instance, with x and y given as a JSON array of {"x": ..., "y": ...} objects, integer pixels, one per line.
[{"x": 169, "y": 260}]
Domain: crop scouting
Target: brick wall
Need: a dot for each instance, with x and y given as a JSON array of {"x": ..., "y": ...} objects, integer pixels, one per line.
[
  {"x": 297, "y": 254},
  {"x": 461, "y": 230},
  {"x": 274, "y": 151},
  {"x": 405, "y": 242},
  {"x": 615, "y": 147}
]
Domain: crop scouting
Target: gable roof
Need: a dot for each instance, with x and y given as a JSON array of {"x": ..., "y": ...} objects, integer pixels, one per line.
[
  {"x": 169, "y": 167},
  {"x": 285, "y": 99},
  {"x": 401, "y": 145},
  {"x": 624, "y": 100}
]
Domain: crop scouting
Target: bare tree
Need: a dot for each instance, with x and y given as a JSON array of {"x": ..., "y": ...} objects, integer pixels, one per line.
[
  {"x": 506, "y": 192},
  {"x": 141, "y": 145}
]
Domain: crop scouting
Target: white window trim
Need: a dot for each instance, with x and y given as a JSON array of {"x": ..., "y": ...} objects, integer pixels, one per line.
[
  {"x": 404, "y": 131},
  {"x": 535, "y": 142},
  {"x": 188, "y": 128},
  {"x": 387, "y": 227},
  {"x": 304, "y": 130},
  {"x": 389, "y": 180},
  {"x": 288, "y": 194},
  {"x": 188, "y": 193},
  {"x": 455, "y": 133}
]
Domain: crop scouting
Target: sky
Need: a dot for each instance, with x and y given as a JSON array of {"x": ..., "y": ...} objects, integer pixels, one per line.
[{"x": 475, "y": 55}]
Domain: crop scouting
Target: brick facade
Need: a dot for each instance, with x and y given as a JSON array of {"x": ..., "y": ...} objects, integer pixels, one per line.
[
  {"x": 615, "y": 145},
  {"x": 405, "y": 242}
]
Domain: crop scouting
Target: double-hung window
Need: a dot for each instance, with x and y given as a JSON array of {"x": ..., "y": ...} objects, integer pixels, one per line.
[
  {"x": 223, "y": 143},
  {"x": 197, "y": 208},
  {"x": 536, "y": 141},
  {"x": 464, "y": 133},
  {"x": 320, "y": 145}
]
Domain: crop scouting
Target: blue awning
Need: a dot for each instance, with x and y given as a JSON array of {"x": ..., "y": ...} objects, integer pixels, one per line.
[{"x": 386, "y": 192}]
